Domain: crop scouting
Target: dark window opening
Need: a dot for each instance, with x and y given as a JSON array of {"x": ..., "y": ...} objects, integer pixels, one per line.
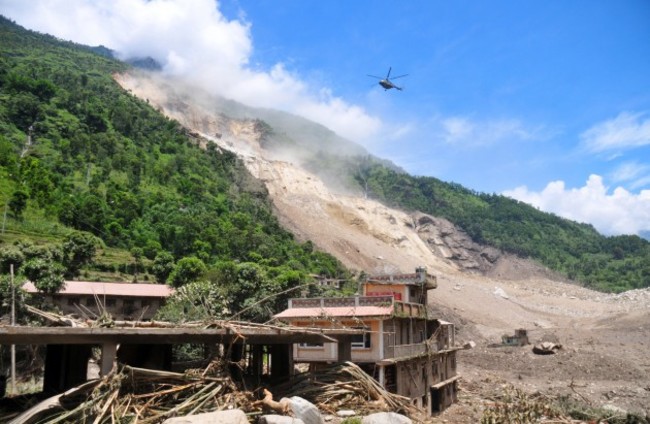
[{"x": 361, "y": 341}]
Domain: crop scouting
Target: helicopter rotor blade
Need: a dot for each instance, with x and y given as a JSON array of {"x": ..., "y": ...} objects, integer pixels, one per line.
[
  {"x": 405, "y": 75},
  {"x": 374, "y": 76},
  {"x": 388, "y": 74}
]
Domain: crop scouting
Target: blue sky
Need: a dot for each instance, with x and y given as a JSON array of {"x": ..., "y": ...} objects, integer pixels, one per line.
[{"x": 547, "y": 101}]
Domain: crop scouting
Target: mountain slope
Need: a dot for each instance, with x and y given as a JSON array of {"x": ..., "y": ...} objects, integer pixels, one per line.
[
  {"x": 356, "y": 229},
  {"x": 80, "y": 153},
  {"x": 575, "y": 250},
  {"x": 484, "y": 292}
]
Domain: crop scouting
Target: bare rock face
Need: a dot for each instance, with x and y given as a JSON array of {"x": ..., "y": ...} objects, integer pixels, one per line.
[{"x": 447, "y": 241}]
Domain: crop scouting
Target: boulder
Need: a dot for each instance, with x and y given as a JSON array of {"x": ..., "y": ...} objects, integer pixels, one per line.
[
  {"x": 233, "y": 416},
  {"x": 469, "y": 345},
  {"x": 546, "y": 348},
  {"x": 306, "y": 411},
  {"x": 345, "y": 413},
  {"x": 386, "y": 418},
  {"x": 279, "y": 419}
]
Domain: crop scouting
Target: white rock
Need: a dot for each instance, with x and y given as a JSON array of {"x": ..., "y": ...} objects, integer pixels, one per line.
[
  {"x": 498, "y": 291},
  {"x": 386, "y": 418},
  {"x": 279, "y": 419},
  {"x": 233, "y": 416},
  {"x": 306, "y": 411},
  {"x": 346, "y": 413}
]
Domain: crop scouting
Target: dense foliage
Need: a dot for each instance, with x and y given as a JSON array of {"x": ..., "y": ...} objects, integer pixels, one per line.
[
  {"x": 577, "y": 250},
  {"x": 79, "y": 153}
]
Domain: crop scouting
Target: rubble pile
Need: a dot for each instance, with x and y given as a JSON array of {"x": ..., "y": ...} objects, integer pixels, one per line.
[
  {"x": 150, "y": 396},
  {"x": 142, "y": 395},
  {"x": 347, "y": 387}
]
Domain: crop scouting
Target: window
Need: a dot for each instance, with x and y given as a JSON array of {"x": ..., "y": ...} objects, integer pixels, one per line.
[
  {"x": 361, "y": 341},
  {"x": 110, "y": 303},
  {"x": 145, "y": 303},
  {"x": 311, "y": 345},
  {"x": 128, "y": 306},
  {"x": 73, "y": 301},
  {"x": 90, "y": 301}
]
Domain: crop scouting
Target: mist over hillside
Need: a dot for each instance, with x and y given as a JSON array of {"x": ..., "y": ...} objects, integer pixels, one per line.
[
  {"x": 573, "y": 249},
  {"x": 285, "y": 136}
]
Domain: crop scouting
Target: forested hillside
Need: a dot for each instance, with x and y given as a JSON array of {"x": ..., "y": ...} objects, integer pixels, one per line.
[
  {"x": 95, "y": 183},
  {"x": 101, "y": 185},
  {"x": 577, "y": 250}
]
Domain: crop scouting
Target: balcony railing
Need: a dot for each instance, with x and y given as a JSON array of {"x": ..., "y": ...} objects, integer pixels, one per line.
[
  {"x": 405, "y": 350},
  {"x": 400, "y": 309}
]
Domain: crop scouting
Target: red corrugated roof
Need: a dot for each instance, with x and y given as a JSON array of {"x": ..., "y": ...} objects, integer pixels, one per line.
[
  {"x": 79, "y": 288},
  {"x": 337, "y": 311}
]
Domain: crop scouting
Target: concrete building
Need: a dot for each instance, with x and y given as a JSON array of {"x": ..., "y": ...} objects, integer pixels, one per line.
[
  {"x": 123, "y": 301},
  {"x": 398, "y": 344}
]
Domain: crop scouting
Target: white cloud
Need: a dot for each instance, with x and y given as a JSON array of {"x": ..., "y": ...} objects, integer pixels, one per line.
[
  {"x": 627, "y": 130},
  {"x": 610, "y": 212},
  {"x": 191, "y": 38},
  {"x": 463, "y": 131},
  {"x": 636, "y": 175}
]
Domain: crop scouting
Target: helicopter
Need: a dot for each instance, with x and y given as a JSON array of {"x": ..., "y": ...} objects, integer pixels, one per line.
[{"x": 386, "y": 82}]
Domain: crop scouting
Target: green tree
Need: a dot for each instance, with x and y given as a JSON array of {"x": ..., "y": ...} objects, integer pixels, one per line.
[
  {"x": 187, "y": 269},
  {"x": 163, "y": 265},
  {"x": 24, "y": 109},
  {"x": 8, "y": 256},
  {"x": 47, "y": 276},
  {"x": 79, "y": 249},
  {"x": 18, "y": 203},
  {"x": 196, "y": 301},
  {"x": 137, "y": 254},
  {"x": 8, "y": 293}
]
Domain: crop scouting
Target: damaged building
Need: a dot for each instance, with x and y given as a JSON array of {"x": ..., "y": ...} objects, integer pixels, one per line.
[{"x": 397, "y": 343}]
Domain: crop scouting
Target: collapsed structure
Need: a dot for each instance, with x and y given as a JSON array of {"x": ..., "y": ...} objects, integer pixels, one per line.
[
  {"x": 397, "y": 343},
  {"x": 385, "y": 330}
]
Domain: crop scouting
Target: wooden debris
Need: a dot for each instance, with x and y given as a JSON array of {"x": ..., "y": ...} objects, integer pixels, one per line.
[
  {"x": 142, "y": 395},
  {"x": 346, "y": 386},
  {"x": 55, "y": 319},
  {"x": 282, "y": 407}
]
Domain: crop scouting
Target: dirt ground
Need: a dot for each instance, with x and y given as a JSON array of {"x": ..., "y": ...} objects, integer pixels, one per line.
[
  {"x": 604, "y": 360},
  {"x": 605, "y": 356}
]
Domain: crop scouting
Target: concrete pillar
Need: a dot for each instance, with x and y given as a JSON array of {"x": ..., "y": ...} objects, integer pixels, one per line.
[
  {"x": 281, "y": 361},
  {"x": 344, "y": 348},
  {"x": 258, "y": 363},
  {"x": 382, "y": 376},
  {"x": 109, "y": 356}
]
